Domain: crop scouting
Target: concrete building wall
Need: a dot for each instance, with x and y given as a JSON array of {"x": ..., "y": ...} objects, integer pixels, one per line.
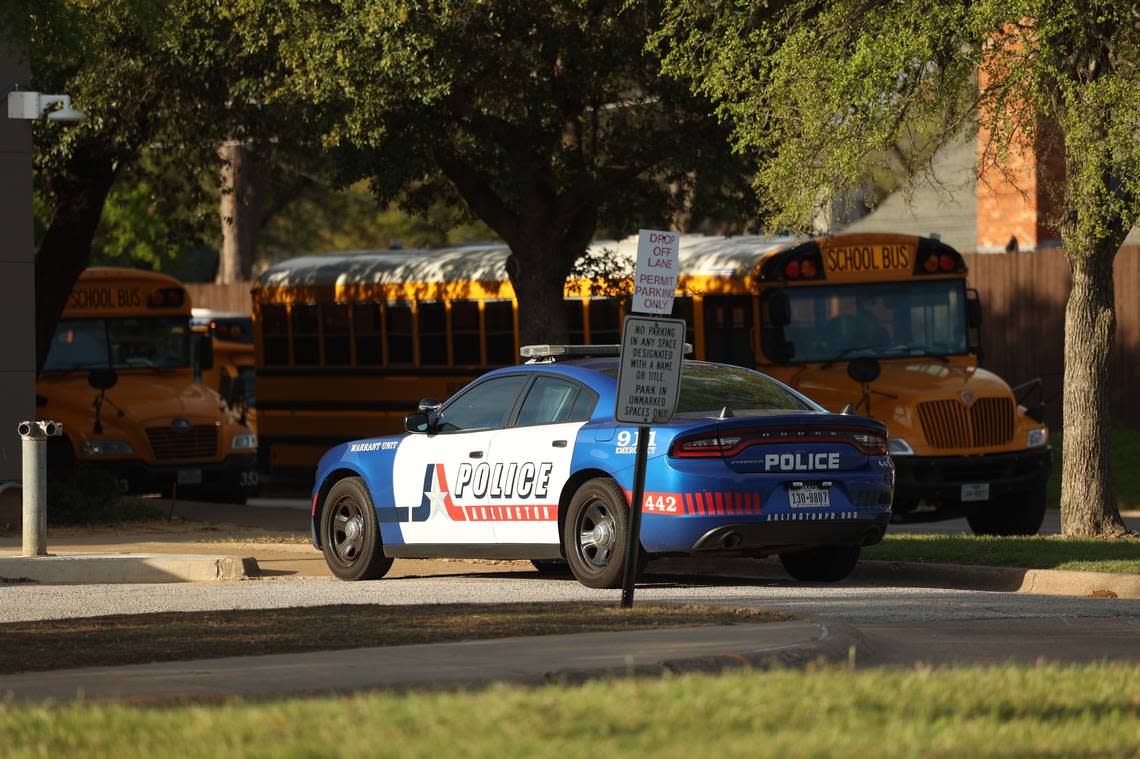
[{"x": 17, "y": 273}]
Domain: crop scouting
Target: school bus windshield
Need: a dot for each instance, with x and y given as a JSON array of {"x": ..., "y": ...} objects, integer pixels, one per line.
[
  {"x": 123, "y": 343},
  {"x": 880, "y": 320}
]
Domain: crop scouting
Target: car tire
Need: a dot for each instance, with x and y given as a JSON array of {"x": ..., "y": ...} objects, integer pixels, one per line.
[
  {"x": 1025, "y": 518},
  {"x": 822, "y": 564},
  {"x": 551, "y": 567},
  {"x": 350, "y": 534},
  {"x": 595, "y": 534}
]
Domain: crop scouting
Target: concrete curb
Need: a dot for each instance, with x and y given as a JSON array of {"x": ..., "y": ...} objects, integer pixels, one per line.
[
  {"x": 1049, "y": 582},
  {"x": 91, "y": 568}
]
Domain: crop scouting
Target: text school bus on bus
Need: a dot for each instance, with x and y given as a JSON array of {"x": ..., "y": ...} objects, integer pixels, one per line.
[
  {"x": 347, "y": 344},
  {"x": 120, "y": 376}
]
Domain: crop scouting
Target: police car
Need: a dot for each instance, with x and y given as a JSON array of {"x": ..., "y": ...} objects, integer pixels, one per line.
[{"x": 527, "y": 462}]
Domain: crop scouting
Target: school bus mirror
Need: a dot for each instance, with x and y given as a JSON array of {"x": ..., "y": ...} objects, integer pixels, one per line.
[
  {"x": 417, "y": 422},
  {"x": 779, "y": 308},
  {"x": 236, "y": 391},
  {"x": 103, "y": 379},
  {"x": 864, "y": 369},
  {"x": 973, "y": 313},
  {"x": 205, "y": 352}
]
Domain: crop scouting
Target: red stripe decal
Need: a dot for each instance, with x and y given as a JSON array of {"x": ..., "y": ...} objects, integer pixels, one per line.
[
  {"x": 719, "y": 502},
  {"x": 456, "y": 513},
  {"x": 700, "y": 503},
  {"x": 689, "y": 504}
]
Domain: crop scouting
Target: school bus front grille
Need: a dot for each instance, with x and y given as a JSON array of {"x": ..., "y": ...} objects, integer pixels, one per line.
[
  {"x": 949, "y": 424},
  {"x": 200, "y": 441}
]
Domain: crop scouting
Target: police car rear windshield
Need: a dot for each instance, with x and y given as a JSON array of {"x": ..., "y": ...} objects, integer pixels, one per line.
[{"x": 711, "y": 387}]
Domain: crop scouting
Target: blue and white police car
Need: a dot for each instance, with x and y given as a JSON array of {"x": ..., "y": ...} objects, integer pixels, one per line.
[{"x": 527, "y": 462}]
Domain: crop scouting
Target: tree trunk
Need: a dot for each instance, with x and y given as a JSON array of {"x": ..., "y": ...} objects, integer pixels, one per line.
[
  {"x": 239, "y": 209},
  {"x": 1088, "y": 499},
  {"x": 77, "y": 197},
  {"x": 539, "y": 282}
]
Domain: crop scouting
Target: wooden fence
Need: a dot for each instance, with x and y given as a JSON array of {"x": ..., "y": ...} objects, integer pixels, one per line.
[
  {"x": 1023, "y": 300},
  {"x": 1023, "y": 332},
  {"x": 233, "y": 297}
]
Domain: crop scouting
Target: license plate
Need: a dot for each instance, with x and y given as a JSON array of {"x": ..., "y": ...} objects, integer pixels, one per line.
[
  {"x": 809, "y": 497},
  {"x": 976, "y": 491},
  {"x": 189, "y": 476}
]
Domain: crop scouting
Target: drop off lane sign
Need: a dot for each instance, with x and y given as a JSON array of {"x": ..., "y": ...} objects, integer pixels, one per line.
[
  {"x": 655, "y": 280},
  {"x": 649, "y": 380}
]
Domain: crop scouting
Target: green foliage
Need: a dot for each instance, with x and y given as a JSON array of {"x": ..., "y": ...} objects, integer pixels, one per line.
[
  {"x": 535, "y": 114},
  {"x": 1118, "y": 556},
  {"x": 836, "y": 91},
  {"x": 90, "y": 495},
  {"x": 1043, "y": 710}
]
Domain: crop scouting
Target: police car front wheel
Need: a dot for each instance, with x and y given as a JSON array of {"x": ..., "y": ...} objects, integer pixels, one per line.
[
  {"x": 350, "y": 534},
  {"x": 594, "y": 536}
]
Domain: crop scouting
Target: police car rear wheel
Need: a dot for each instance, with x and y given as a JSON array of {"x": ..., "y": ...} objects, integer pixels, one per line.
[
  {"x": 350, "y": 534},
  {"x": 594, "y": 536},
  {"x": 822, "y": 564}
]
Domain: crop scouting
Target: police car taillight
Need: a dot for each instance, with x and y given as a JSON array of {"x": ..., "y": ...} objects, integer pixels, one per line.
[
  {"x": 704, "y": 446},
  {"x": 870, "y": 443}
]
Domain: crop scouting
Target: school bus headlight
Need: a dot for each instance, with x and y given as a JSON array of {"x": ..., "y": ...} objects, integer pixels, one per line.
[
  {"x": 1037, "y": 437},
  {"x": 899, "y": 447},
  {"x": 108, "y": 448},
  {"x": 244, "y": 441}
]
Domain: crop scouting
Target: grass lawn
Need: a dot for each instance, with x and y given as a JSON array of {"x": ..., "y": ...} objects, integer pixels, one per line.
[
  {"x": 1125, "y": 445},
  {"x": 179, "y": 636},
  {"x": 1120, "y": 555},
  {"x": 1005, "y": 711}
]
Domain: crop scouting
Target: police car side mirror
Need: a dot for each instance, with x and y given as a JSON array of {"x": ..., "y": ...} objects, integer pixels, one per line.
[{"x": 417, "y": 422}]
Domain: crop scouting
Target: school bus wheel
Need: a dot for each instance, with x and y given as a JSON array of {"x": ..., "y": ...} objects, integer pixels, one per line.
[{"x": 350, "y": 533}]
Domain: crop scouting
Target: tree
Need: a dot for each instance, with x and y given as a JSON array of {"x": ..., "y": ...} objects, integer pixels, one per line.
[
  {"x": 545, "y": 119},
  {"x": 829, "y": 88}
]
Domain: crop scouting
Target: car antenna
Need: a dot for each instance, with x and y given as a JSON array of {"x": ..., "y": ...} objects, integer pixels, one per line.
[{"x": 726, "y": 413}]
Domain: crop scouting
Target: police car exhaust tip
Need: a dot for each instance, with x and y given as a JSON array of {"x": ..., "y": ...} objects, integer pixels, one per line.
[{"x": 732, "y": 540}]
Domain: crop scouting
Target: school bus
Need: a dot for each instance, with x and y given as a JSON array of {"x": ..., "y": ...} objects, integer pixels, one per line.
[
  {"x": 232, "y": 375},
  {"x": 120, "y": 376},
  {"x": 877, "y": 324}
]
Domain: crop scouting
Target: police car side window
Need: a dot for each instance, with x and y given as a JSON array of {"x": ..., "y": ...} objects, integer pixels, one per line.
[
  {"x": 554, "y": 401},
  {"x": 483, "y": 407}
]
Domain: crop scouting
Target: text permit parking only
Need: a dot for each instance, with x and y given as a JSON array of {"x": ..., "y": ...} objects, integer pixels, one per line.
[
  {"x": 649, "y": 377},
  {"x": 655, "y": 279}
]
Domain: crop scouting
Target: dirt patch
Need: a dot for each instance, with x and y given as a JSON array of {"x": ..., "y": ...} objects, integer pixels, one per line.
[{"x": 178, "y": 636}]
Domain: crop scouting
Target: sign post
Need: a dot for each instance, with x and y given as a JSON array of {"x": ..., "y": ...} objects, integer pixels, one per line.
[{"x": 649, "y": 378}]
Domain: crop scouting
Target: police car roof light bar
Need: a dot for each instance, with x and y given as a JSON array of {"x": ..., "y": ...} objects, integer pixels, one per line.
[{"x": 533, "y": 352}]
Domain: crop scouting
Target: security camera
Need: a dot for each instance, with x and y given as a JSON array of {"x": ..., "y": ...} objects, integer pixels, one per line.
[{"x": 34, "y": 105}]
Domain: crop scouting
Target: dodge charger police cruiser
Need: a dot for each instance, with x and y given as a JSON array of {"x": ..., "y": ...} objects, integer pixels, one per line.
[{"x": 527, "y": 462}]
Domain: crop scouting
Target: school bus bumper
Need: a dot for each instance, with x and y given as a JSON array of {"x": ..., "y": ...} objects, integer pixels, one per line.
[
  {"x": 938, "y": 480},
  {"x": 233, "y": 475}
]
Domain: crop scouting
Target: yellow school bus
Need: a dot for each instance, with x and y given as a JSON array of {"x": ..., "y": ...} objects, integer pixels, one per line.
[
  {"x": 232, "y": 375},
  {"x": 882, "y": 325},
  {"x": 120, "y": 376}
]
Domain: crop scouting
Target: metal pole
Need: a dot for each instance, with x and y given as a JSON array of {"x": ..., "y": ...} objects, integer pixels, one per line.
[
  {"x": 34, "y": 469},
  {"x": 633, "y": 544}
]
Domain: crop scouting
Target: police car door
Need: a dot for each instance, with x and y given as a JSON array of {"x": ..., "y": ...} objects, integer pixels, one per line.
[
  {"x": 530, "y": 462},
  {"x": 432, "y": 473}
]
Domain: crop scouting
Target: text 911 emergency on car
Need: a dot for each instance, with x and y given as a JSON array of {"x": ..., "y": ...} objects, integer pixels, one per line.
[{"x": 527, "y": 462}]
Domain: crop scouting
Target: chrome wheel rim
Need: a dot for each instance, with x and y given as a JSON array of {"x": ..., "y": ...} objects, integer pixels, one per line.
[
  {"x": 597, "y": 534},
  {"x": 346, "y": 530}
]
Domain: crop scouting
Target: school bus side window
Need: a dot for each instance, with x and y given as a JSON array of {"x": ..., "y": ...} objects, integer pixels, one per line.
[
  {"x": 366, "y": 327},
  {"x": 499, "y": 318},
  {"x": 575, "y": 321},
  {"x": 604, "y": 321},
  {"x": 306, "y": 334},
  {"x": 465, "y": 332},
  {"x": 399, "y": 318},
  {"x": 432, "y": 317},
  {"x": 335, "y": 316},
  {"x": 275, "y": 334}
]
